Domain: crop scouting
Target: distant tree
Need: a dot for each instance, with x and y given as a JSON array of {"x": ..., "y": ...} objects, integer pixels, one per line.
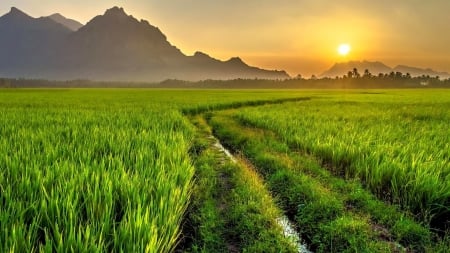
[
  {"x": 313, "y": 77},
  {"x": 356, "y": 73},
  {"x": 6, "y": 83},
  {"x": 367, "y": 73},
  {"x": 350, "y": 74},
  {"x": 398, "y": 75},
  {"x": 408, "y": 75}
]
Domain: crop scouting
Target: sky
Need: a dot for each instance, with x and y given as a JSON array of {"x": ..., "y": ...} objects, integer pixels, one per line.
[{"x": 299, "y": 36}]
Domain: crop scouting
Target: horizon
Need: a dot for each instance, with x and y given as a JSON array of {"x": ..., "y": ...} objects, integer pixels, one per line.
[{"x": 258, "y": 46}]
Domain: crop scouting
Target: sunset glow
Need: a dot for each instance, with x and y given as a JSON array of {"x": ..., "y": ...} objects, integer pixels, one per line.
[{"x": 301, "y": 37}]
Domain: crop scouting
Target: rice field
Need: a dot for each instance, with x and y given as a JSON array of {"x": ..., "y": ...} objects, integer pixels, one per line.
[
  {"x": 399, "y": 146},
  {"x": 129, "y": 170},
  {"x": 96, "y": 170},
  {"x": 80, "y": 178}
]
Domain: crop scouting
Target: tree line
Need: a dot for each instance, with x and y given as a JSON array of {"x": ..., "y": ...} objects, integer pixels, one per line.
[{"x": 353, "y": 79}]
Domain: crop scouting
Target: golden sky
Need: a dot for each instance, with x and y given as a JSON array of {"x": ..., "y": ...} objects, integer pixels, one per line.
[{"x": 299, "y": 36}]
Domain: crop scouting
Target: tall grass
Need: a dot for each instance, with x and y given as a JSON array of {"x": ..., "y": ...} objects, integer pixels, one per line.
[
  {"x": 92, "y": 179},
  {"x": 99, "y": 169},
  {"x": 398, "y": 145},
  {"x": 109, "y": 170}
]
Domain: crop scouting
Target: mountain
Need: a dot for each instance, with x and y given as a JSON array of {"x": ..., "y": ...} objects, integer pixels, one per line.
[
  {"x": 111, "y": 47},
  {"x": 25, "y": 41},
  {"x": 340, "y": 69},
  {"x": 69, "y": 23},
  {"x": 419, "y": 72}
]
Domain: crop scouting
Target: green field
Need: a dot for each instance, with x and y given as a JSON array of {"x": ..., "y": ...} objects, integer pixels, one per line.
[{"x": 137, "y": 170}]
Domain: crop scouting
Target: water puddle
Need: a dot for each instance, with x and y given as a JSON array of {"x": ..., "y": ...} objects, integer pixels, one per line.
[
  {"x": 290, "y": 233},
  {"x": 224, "y": 150},
  {"x": 283, "y": 221}
]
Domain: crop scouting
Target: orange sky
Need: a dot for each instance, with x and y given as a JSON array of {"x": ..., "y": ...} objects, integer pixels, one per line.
[{"x": 300, "y": 36}]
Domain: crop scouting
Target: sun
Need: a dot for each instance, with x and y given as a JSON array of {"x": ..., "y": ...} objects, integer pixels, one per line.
[{"x": 344, "y": 49}]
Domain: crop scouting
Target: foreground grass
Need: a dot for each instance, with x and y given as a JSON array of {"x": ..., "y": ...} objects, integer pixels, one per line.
[
  {"x": 333, "y": 215},
  {"x": 92, "y": 180},
  {"x": 98, "y": 170},
  {"x": 397, "y": 144},
  {"x": 101, "y": 170}
]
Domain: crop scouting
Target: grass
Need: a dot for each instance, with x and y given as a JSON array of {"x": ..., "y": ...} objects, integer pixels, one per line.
[
  {"x": 231, "y": 211},
  {"x": 398, "y": 147},
  {"x": 101, "y": 170},
  {"x": 92, "y": 180},
  {"x": 320, "y": 202},
  {"x": 98, "y": 169}
]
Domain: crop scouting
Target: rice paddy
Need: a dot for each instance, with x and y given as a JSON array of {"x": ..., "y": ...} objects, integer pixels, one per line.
[{"x": 133, "y": 170}]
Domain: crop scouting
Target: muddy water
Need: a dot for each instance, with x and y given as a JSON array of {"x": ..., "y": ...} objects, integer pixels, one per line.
[{"x": 288, "y": 227}]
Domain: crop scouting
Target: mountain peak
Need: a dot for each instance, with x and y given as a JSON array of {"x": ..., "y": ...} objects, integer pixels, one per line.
[
  {"x": 116, "y": 12},
  {"x": 115, "y": 23},
  {"x": 15, "y": 10},
  {"x": 16, "y": 13},
  {"x": 69, "y": 23},
  {"x": 56, "y": 16},
  {"x": 342, "y": 68},
  {"x": 201, "y": 54},
  {"x": 235, "y": 59}
]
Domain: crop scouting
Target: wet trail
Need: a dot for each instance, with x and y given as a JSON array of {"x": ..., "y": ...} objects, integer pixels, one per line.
[{"x": 288, "y": 227}]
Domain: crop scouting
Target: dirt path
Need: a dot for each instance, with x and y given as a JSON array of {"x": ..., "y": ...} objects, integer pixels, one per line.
[{"x": 232, "y": 210}]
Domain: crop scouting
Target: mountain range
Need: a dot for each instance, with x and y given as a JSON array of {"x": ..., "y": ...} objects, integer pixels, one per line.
[
  {"x": 111, "y": 47},
  {"x": 116, "y": 46},
  {"x": 340, "y": 69}
]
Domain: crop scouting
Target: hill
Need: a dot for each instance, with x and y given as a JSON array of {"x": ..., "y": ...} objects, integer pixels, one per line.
[
  {"x": 26, "y": 41},
  {"x": 414, "y": 71},
  {"x": 111, "y": 47},
  {"x": 341, "y": 69}
]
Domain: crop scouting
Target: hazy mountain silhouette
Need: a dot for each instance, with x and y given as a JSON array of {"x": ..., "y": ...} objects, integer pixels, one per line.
[
  {"x": 414, "y": 71},
  {"x": 113, "y": 46},
  {"x": 26, "y": 41},
  {"x": 340, "y": 69},
  {"x": 67, "y": 22}
]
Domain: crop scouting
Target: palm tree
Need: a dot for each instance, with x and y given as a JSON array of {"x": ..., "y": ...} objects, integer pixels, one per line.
[
  {"x": 350, "y": 74},
  {"x": 356, "y": 73}
]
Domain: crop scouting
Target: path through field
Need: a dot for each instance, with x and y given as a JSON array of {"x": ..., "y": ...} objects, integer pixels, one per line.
[
  {"x": 330, "y": 213},
  {"x": 137, "y": 170}
]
